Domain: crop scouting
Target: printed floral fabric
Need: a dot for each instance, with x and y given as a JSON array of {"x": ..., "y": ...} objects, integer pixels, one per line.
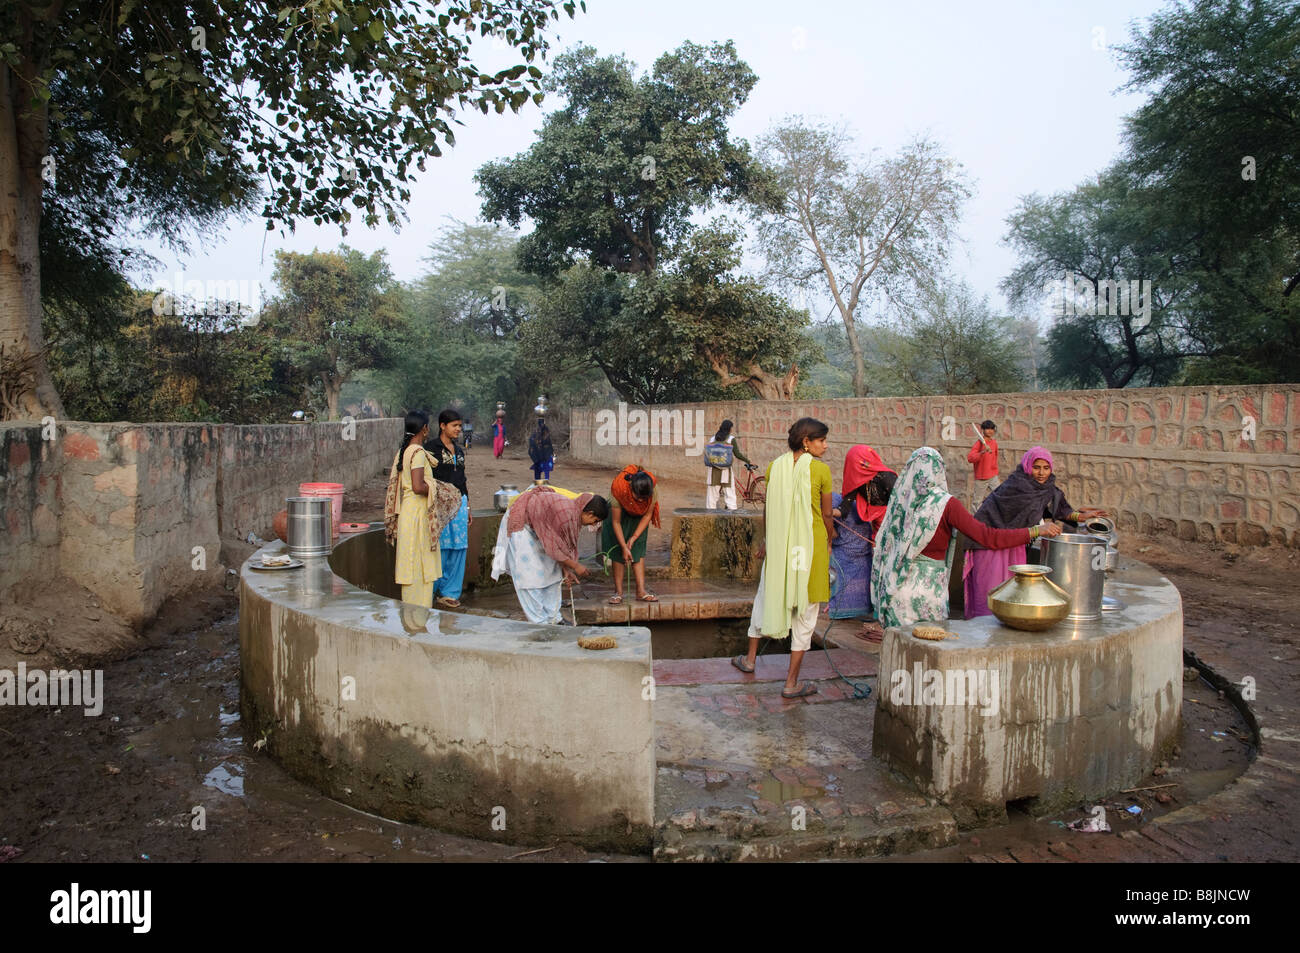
[{"x": 907, "y": 587}]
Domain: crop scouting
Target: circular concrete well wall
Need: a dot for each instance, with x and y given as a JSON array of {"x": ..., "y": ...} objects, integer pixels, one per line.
[
  {"x": 487, "y": 727},
  {"x": 1052, "y": 718}
]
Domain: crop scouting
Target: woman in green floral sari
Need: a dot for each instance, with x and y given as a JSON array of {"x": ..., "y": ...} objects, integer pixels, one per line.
[{"x": 909, "y": 575}]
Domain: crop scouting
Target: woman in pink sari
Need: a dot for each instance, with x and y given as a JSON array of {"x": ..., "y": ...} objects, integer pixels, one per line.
[{"x": 1026, "y": 497}]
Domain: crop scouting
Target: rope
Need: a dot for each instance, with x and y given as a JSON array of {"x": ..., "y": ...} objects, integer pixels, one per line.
[{"x": 860, "y": 691}]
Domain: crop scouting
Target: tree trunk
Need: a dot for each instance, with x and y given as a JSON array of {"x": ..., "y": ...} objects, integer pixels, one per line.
[
  {"x": 25, "y": 383},
  {"x": 860, "y": 388},
  {"x": 333, "y": 388},
  {"x": 764, "y": 385}
]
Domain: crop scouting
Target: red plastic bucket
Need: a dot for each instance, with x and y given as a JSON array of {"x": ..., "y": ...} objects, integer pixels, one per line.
[{"x": 334, "y": 491}]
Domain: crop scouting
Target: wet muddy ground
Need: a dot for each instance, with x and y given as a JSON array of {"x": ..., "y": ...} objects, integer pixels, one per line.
[{"x": 165, "y": 774}]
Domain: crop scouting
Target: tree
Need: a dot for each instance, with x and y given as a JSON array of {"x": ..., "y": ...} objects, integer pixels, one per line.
[
  {"x": 186, "y": 108},
  {"x": 615, "y": 176},
  {"x": 691, "y": 331},
  {"x": 947, "y": 342},
  {"x": 1221, "y": 127},
  {"x": 463, "y": 318},
  {"x": 1216, "y": 142},
  {"x": 865, "y": 229},
  {"x": 183, "y": 364},
  {"x": 1028, "y": 335},
  {"x": 1118, "y": 321},
  {"x": 337, "y": 313},
  {"x": 1203, "y": 204}
]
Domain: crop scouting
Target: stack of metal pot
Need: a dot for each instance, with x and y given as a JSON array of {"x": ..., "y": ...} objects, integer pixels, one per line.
[{"x": 1079, "y": 564}]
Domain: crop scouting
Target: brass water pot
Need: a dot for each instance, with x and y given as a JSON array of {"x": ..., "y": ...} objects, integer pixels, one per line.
[{"x": 1029, "y": 600}]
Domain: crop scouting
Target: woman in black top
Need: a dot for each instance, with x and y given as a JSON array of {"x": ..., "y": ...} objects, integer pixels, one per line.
[{"x": 449, "y": 467}]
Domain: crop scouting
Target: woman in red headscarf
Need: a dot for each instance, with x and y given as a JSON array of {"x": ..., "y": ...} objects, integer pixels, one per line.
[{"x": 867, "y": 484}]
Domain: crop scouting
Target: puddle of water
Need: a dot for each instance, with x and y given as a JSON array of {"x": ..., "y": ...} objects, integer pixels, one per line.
[
  {"x": 1198, "y": 785},
  {"x": 227, "y": 778},
  {"x": 778, "y": 792}
]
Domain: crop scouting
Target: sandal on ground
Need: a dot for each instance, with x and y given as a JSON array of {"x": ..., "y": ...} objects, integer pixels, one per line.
[
  {"x": 872, "y": 632},
  {"x": 648, "y": 597},
  {"x": 807, "y": 688},
  {"x": 448, "y": 603},
  {"x": 614, "y": 601},
  {"x": 743, "y": 664}
]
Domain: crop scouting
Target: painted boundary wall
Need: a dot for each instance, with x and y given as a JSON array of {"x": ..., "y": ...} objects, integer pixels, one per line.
[
  {"x": 121, "y": 507},
  {"x": 1173, "y": 460}
]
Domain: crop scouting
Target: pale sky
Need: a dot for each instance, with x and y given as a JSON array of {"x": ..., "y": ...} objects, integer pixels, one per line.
[{"x": 1021, "y": 92}]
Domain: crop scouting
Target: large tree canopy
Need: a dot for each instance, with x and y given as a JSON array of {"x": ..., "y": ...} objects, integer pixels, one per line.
[
  {"x": 691, "y": 331},
  {"x": 616, "y": 174},
  {"x": 1100, "y": 232},
  {"x": 337, "y": 313},
  {"x": 170, "y": 112},
  {"x": 1222, "y": 126}
]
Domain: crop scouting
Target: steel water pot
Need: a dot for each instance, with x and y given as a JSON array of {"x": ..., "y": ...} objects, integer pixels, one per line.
[
  {"x": 502, "y": 498},
  {"x": 310, "y": 525},
  {"x": 1078, "y": 562}
]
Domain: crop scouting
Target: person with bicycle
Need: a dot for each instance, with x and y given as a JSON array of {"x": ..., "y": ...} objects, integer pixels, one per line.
[{"x": 718, "y": 458}]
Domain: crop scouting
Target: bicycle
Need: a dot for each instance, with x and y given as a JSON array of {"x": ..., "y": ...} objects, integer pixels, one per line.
[{"x": 752, "y": 489}]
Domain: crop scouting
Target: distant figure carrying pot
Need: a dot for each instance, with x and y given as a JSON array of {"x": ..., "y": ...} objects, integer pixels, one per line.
[{"x": 499, "y": 435}]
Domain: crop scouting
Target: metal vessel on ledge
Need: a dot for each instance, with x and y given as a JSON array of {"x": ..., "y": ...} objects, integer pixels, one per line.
[
  {"x": 503, "y": 497},
  {"x": 1029, "y": 600}
]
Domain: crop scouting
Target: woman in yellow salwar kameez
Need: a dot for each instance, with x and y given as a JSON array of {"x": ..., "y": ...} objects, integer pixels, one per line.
[
  {"x": 418, "y": 558},
  {"x": 797, "y": 530}
]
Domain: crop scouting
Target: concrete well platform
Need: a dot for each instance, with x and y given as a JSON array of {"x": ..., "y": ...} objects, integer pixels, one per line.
[
  {"x": 490, "y": 728},
  {"x": 1054, "y": 718}
]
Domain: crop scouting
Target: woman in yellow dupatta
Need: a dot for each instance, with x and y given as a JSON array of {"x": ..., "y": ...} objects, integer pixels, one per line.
[
  {"x": 795, "y": 578},
  {"x": 418, "y": 560}
]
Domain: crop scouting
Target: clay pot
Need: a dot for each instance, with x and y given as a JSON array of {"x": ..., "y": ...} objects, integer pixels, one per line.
[{"x": 280, "y": 525}]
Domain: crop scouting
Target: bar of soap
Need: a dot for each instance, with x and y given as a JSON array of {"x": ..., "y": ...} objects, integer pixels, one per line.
[
  {"x": 276, "y": 560},
  {"x": 597, "y": 642}
]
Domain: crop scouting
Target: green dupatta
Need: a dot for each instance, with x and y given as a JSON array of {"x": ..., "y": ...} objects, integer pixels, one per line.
[{"x": 788, "y": 515}]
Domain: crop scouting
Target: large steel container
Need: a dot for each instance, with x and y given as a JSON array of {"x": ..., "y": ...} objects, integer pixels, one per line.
[
  {"x": 1078, "y": 564},
  {"x": 310, "y": 527}
]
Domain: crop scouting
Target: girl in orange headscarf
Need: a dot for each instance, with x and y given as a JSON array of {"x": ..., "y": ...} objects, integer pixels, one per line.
[{"x": 634, "y": 505}]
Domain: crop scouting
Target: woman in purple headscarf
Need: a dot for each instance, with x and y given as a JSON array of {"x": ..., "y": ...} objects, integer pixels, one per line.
[{"x": 1027, "y": 496}]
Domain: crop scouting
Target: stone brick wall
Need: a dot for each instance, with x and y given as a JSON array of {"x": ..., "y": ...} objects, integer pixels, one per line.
[
  {"x": 262, "y": 466},
  {"x": 30, "y": 504},
  {"x": 136, "y": 512},
  {"x": 1170, "y": 460},
  {"x": 139, "y": 519}
]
